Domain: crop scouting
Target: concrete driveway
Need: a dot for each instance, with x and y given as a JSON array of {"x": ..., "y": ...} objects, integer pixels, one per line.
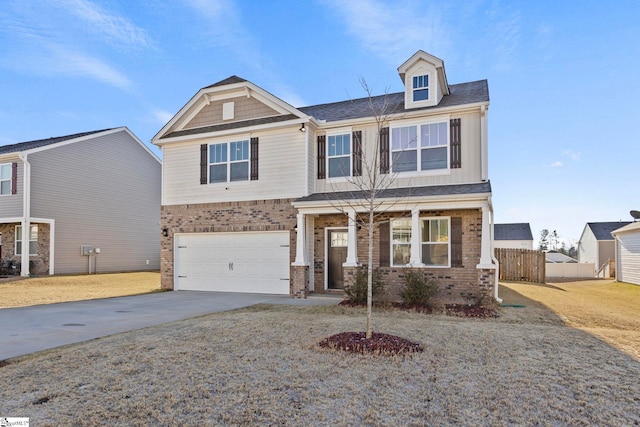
[{"x": 26, "y": 330}]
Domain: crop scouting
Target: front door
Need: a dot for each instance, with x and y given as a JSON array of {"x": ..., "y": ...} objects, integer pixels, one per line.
[{"x": 337, "y": 255}]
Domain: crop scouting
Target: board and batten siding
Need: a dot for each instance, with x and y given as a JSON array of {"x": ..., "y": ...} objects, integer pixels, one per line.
[
  {"x": 281, "y": 168},
  {"x": 103, "y": 192},
  {"x": 628, "y": 266},
  {"x": 11, "y": 204},
  {"x": 471, "y": 157}
]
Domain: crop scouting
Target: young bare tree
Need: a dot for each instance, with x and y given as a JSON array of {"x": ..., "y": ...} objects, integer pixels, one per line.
[{"x": 370, "y": 181}]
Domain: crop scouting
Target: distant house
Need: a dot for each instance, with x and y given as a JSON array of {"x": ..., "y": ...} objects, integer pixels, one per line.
[
  {"x": 80, "y": 203},
  {"x": 515, "y": 236},
  {"x": 627, "y": 245},
  {"x": 558, "y": 258},
  {"x": 596, "y": 244}
]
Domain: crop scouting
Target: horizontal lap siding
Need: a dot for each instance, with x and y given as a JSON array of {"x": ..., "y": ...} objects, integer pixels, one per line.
[
  {"x": 11, "y": 204},
  {"x": 629, "y": 258},
  {"x": 281, "y": 167},
  {"x": 470, "y": 171},
  {"x": 104, "y": 192}
]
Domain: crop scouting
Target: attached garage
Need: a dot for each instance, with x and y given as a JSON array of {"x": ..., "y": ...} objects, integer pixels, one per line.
[
  {"x": 628, "y": 253},
  {"x": 252, "y": 262}
]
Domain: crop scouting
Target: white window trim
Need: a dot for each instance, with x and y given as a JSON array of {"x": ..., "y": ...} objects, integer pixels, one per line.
[
  {"x": 338, "y": 132},
  {"x": 229, "y": 162},
  {"x": 417, "y": 124},
  {"x": 18, "y": 238},
  {"x": 427, "y": 87},
  {"x": 9, "y": 179},
  {"x": 409, "y": 88},
  {"x": 420, "y": 222},
  {"x": 422, "y": 243}
]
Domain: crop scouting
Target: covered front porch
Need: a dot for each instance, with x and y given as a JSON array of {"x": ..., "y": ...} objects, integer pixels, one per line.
[
  {"x": 39, "y": 233},
  {"x": 449, "y": 239}
]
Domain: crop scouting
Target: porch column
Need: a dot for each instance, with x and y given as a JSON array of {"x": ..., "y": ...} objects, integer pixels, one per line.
[
  {"x": 24, "y": 255},
  {"x": 485, "y": 246},
  {"x": 415, "y": 260},
  {"x": 352, "y": 246},
  {"x": 301, "y": 241}
]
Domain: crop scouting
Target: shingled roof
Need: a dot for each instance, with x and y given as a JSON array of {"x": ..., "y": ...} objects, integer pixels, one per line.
[
  {"x": 30, "y": 145},
  {"x": 602, "y": 230},
  {"x": 395, "y": 193},
  {"x": 515, "y": 231},
  {"x": 393, "y": 103}
]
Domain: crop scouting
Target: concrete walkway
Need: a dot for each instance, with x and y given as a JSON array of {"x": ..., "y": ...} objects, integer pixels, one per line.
[{"x": 26, "y": 330}]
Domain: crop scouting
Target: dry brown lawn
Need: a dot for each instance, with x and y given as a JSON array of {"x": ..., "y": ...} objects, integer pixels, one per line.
[
  {"x": 607, "y": 309},
  {"x": 262, "y": 366},
  {"x": 53, "y": 289}
]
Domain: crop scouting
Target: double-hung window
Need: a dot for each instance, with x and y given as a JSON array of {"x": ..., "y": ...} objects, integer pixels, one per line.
[
  {"x": 339, "y": 155},
  {"x": 401, "y": 241},
  {"x": 421, "y": 88},
  {"x": 5, "y": 179},
  {"x": 421, "y": 147},
  {"x": 229, "y": 161},
  {"x": 434, "y": 241},
  {"x": 33, "y": 240}
]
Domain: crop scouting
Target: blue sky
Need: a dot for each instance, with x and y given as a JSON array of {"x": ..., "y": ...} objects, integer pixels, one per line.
[{"x": 564, "y": 78}]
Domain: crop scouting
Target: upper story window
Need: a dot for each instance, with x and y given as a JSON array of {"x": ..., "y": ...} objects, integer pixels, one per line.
[
  {"x": 420, "y": 147},
  {"x": 33, "y": 240},
  {"x": 5, "y": 179},
  {"x": 339, "y": 155},
  {"x": 421, "y": 88},
  {"x": 229, "y": 161}
]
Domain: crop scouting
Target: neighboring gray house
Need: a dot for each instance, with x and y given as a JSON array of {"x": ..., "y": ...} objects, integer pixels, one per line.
[
  {"x": 596, "y": 244},
  {"x": 515, "y": 236},
  {"x": 93, "y": 192},
  {"x": 627, "y": 247}
]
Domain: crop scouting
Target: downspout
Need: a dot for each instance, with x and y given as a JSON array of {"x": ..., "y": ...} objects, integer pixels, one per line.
[{"x": 26, "y": 215}]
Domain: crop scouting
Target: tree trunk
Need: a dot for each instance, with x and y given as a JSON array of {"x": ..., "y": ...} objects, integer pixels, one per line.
[{"x": 370, "y": 274}]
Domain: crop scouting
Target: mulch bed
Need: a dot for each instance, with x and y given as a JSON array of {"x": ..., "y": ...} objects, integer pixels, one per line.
[
  {"x": 472, "y": 311},
  {"x": 383, "y": 344}
]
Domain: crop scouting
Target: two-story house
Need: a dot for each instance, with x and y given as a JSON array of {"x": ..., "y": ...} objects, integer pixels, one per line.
[
  {"x": 82, "y": 203},
  {"x": 260, "y": 196}
]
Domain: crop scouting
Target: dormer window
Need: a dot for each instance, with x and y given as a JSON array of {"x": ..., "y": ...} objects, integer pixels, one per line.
[{"x": 421, "y": 88}]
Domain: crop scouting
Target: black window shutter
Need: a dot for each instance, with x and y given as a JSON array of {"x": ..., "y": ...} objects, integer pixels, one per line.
[
  {"x": 14, "y": 178},
  {"x": 384, "y": 150},
  {"x": 456, "y": 144},
  {"x": 322, "y": 156},
  {"x": 254, "y": 158},
  {"x": 385, "y": 244},
  {"x": 204, "y": 164},
  {"x": 456, "y": 242},
  {"x": 357, "y": 153}
]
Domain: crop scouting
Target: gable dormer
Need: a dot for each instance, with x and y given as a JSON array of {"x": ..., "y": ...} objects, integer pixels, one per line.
[{"x": 425, "y": 82}]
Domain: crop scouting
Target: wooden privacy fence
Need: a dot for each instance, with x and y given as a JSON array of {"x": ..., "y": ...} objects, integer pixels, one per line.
[{"x": 521, "y": 265}]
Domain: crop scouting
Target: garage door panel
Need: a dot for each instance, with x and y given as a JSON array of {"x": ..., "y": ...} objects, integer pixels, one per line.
[{"x": 233, "y": 262}]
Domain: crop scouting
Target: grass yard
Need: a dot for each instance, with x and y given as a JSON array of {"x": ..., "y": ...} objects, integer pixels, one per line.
[
  {"x": 607, "y": 309},
  {"x": 262, "y": 366},
  {"x": 53, "y": 289}
]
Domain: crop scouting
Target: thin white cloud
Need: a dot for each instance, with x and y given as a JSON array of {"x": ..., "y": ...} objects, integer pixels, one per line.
[
  {"x": 504, "y": 34},
  {"x": 557, "y": 164},
  {"x": 112, "y": 28},
  {"x": 390, "y": 30},
  {"x": 572, "y": 154},
  {"x": 161, "y": 116},
  {"x": 72, "y": 63}
]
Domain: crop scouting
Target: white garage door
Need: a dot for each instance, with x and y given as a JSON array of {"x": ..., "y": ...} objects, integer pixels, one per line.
[{"x": 233, "y": 262}]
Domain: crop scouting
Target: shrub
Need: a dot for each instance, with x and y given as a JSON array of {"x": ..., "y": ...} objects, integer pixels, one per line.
[
  {"x": 357, "y": 292},
  {"x": 419, "y": 288}
]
